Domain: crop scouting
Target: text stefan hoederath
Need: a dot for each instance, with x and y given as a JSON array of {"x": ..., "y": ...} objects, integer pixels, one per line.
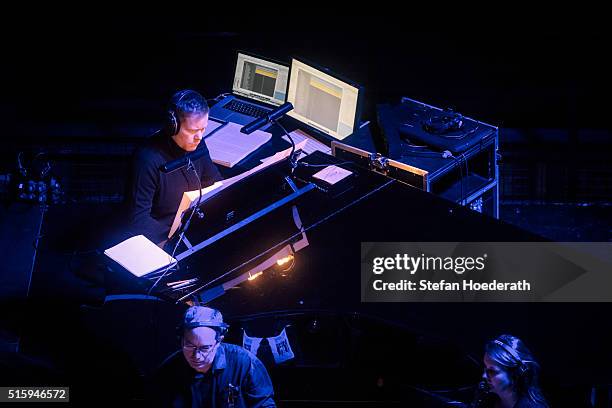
[{"x": 458, "y": 265}]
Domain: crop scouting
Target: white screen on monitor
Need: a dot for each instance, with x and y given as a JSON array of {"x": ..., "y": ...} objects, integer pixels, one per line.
[
  {"x": 261, "y": 79},
  {"x": 322, "y": 101}
]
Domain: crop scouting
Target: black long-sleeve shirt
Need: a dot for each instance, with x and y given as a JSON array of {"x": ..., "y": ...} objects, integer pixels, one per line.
[{"x": 153, "y": 196}]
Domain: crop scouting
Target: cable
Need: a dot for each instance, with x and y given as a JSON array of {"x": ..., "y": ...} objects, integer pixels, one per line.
[
  {"x": 154, "y": 320},
  {"x": 292, "y": 160},
  {"x": 467, "y": 172},
  {"x": 221, "y": 95},
  {"x": 22, "y": 170},
  {"x": 462, "y": 135},
  {"x": 292, "y": 157},
  {"x": 457, "y": 161},
  {"x": 191, "y": 166},
  {"x": 294, "y": 163},
  {"x": 324, "y": 165},
  {"x": 461, "y": 172}
]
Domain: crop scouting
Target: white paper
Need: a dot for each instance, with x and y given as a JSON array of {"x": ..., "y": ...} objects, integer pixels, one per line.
[
  {"x": 190, "y": 198},
  {"x": 312, "y": 144},
  {"x": 212, "y": 125},
  {"x": 332, "y": 174},
  {"x": 229, "y": 146},
  {"x": 250, "y": 343},
  {"x": 281, "y": 348},
  {"x": 139, "y": 256}
]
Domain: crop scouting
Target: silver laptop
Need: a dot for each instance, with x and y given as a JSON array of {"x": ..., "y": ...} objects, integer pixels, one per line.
[{"x": 260, "y": 85}]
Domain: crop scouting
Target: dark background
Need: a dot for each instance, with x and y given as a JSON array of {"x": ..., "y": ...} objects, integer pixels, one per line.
[
  {"x": 87, "y": 93},
  {"x": 510, "y": 78},
  {"x": 109, "y": 81}
]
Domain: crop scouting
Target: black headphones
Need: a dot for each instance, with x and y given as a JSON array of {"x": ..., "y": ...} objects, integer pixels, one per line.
[
  {"x": 523, "y": 367},
  {"x": 173, "y": 123},
  {"x": 442, "y": 122}
]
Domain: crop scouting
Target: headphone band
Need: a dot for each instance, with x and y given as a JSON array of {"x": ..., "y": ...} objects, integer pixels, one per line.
[
  {"x": 183, "y": 93},
  {"x": 511, "y": 351}
]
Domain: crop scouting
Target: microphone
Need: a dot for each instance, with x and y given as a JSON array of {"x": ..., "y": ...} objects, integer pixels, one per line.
[
  {"x": 181, "y": 162},
  {"x": 272, "y": 116},
  {"x": 481, "y": 396}
]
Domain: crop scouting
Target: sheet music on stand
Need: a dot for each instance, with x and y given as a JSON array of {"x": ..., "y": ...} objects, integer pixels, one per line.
[
  {"x": 214, "y": 125},
  {"x": 190, "y": 198},
  {"x": 228, "y": 146},
  {"x": 139, "y": 256},
  {"x": 312, "y": 145}
]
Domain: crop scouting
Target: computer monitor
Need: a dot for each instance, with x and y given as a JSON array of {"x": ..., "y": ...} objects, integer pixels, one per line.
[
  {"x": 322, "y": 100},
  {"x": 260, "y": 79}
]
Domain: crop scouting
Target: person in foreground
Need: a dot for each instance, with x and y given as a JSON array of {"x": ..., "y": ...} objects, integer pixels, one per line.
[
  {"x": 510, "y": 378},
  {"x": 212, "y": 373}
]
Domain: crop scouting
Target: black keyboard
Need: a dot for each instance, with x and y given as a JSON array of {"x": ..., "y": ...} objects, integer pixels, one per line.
[{"x": 246, "y": 108}]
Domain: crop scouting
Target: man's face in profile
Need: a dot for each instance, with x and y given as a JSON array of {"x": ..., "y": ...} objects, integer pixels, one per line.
[{"x": 191, "y": 132}]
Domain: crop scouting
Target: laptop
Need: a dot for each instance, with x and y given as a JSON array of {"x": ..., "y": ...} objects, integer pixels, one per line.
[{"x": 259, "y": 86}]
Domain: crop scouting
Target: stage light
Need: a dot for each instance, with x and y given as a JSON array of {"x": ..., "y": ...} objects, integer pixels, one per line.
[
  {"x": 285, "y": 264},
  {"x": 285, "y": 260},
  {"x": 254, "y": 276}
]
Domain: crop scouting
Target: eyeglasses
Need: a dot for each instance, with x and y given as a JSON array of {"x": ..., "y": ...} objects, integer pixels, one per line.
[{"x": 204, "y": 350}]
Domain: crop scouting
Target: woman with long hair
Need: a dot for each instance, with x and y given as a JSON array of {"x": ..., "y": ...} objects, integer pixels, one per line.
[{"x": 510, "y": 375}]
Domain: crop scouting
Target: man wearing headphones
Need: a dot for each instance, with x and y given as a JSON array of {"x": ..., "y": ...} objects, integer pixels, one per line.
[
  {"x": 153, "y": 196},
  {"x": 212, "y": 373}
]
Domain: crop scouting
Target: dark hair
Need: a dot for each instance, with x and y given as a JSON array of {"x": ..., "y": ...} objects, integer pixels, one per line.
[
  {"x": 188, "y": 102},
  {"x": 511, "y": 353}
]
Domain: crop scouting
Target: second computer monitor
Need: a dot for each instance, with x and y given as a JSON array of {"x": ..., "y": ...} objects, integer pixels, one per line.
[
  {"x": 260, "y": 79},
  {"x": 322, "y": 100}
]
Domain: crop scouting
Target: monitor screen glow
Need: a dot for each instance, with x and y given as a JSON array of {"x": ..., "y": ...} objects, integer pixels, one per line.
[
  {"x": 322, "y": 101},
  {"x": 260, "y": 79}
]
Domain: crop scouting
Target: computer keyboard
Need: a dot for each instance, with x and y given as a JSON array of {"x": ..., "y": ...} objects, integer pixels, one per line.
[{"x": 246, "y": 108}]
